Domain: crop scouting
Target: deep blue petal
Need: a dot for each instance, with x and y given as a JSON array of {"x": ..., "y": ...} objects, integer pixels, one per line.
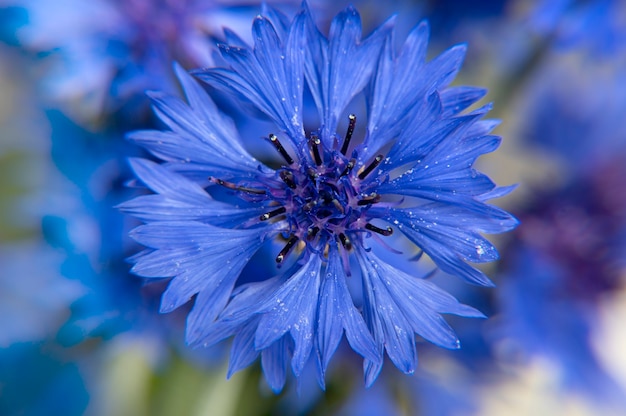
[
  {"x": 274, "y": 361},
  {"x": 385, "y": 320},
  {"x": 270, "y": 76},
  {"x": 336, "y": 312},
  {"x": 200, "y": 131},
  {"x": 396, "y": 88},
  {"x": 293, "y": 309},
  {"x": 457, "y": 99},
  {"x": 398, "y": 305},
  {"x": 339, "y": 67},
  {"x": 401, "y": 85},
  {"x": 242, "y": 352},
  {"x": 180, "y": 199}
]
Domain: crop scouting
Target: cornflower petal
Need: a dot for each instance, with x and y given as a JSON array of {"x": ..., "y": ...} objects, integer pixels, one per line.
[
  {"x": 450, "y": 236},
  {"x": 274, "y": 361},
  {"x": 432, "y": 127},
  {"x": 336, "y": 313},
  {"x": 280, "y": 21},
  {"x": 399, "y": 305},
  {"x": 339, "y": 67},
  {"x": 242, "y": 351},
  {"x": 177, "y": 198},
  {"x": 457, "y": 99},
  {"x": 270, "y": 75},
  {"x": 293, "y": 309},
  {"x": 394, "y": 89},
  {"x": 386, "y": 322},
  {"x": 201, "y": 258},
  {"x": 199, "y": 134},
  {"x": 400, "y": 84},
  {"x": 242, "y": 309}
]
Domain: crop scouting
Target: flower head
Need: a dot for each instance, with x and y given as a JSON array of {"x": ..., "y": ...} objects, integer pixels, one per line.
[{"x": 331, "y": 201}]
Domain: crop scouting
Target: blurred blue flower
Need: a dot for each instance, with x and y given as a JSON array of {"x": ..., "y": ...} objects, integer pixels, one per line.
[
  {"x": 100, "y": 56},
  {"x": 599, "y": 26},
  {"x": 36, "y": 379},
  {"x": 327, "y": 201},
  {"x": 83, "y": 226},
  {"x": 573, "y": 111},
  {"x": 538, "y": 286},
  {"x": 28, "y": 315},
  {"x": 568, "y": 255}
]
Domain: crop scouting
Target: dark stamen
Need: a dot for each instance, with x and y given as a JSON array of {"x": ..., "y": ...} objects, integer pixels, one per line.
[
  {"x": 348, "y": 168},
  {"x": 345, "y": 241},
  {"x": 272, "y": 214},
  {"x": 374, "y": 228},
  {"x": 281, "y": 149},
  {"x": 235, "y": 187},
  {"x": 373, "y": 198},
  {"x": 290, "y": 243},
  {"x": 371, "y": 167},
  {"x": 315, "y": 145},
  {"x": 312, "y": 232},
  {"x": 287, "y": 177},
  {"x": 346, "y": 140}
]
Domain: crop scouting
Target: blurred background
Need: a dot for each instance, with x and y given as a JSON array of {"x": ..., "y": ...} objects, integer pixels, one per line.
[{"x": 80, "y": 335}]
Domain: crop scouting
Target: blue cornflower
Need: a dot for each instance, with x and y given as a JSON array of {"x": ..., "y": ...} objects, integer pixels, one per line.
[{"x": 331, "y": 200}]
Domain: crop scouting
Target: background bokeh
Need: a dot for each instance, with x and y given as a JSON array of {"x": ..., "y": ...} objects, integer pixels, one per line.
[{"x": 80, "y": 335}]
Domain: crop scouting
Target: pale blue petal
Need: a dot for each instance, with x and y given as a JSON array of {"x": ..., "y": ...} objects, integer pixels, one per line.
[
  {"x": 446, "y": 228},
  {"x": 444, "y": 68},
  {"x": 150, "y": 208},
  {"x": 233, "y": 38},
  {"x": 159, "y": 264},
  {"x": 498, "y": 192},
  {"x": 280, "y": 21},
  {"x": 180, "y": 199},
  {"x": 240, "y": 311},
  {"x": 315, "y": 63},
  {"x": 202, "y": 258},
  {"x": 433, "y": 135}
]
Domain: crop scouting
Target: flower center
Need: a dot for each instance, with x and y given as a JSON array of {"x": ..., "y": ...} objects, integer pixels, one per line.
[{"x": 321, "y": 198}]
